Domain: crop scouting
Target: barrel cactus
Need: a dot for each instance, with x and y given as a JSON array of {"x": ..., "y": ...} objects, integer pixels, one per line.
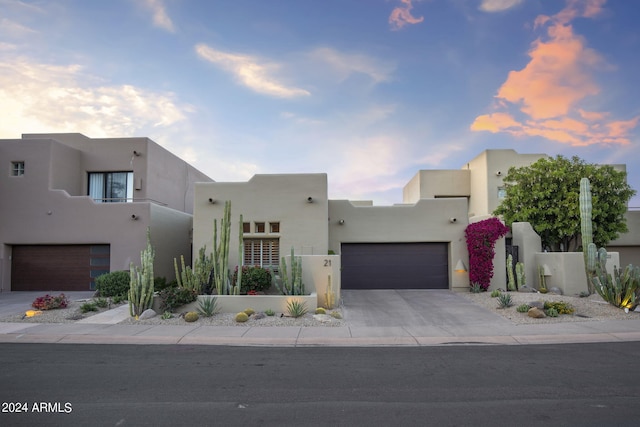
[
  {"x": 191, "y": 316},
  {"x": 242, "y": 317}
]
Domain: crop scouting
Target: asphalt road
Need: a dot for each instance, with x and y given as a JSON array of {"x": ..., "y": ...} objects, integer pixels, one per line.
[{"x": 121, "y": 385}]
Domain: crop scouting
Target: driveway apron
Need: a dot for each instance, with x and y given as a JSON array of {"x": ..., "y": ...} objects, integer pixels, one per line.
[{"x": 413, "y": 307}]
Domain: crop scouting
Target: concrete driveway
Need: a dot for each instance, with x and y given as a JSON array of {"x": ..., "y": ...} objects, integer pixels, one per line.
[{"x": 414, "y": 308}]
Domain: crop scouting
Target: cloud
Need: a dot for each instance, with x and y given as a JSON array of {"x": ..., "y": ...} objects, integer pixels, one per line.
[
  {"x": 498, "y": 5},
  {"x": 13, "y": 29},
  {"x": 37, "y": 97},
  {"x": 252, "y": 72},
  {"x": 545, "y": 97},
  {"x": 160, "y": 17},
  {"x": 344, "y": 64},
  {"x": 401, "y": 15}
]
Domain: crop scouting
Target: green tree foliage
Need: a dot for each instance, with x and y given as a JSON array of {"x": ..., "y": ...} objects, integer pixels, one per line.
[{"x": 546, "y": 194}]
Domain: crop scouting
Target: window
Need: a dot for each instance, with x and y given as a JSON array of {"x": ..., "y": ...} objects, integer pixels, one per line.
[
  {"x": 502, "y": 192},
  {"x": 246, "y": 227},
  {"x": 107, "y": 187},
  {"x": 274, "y": 227},
  {"x": 17, "y": 168},
  {"x": 262, "y": 252},
  {"x": 259, "y": 227}
]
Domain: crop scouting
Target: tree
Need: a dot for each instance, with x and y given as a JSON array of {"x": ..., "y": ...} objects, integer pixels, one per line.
[{"x": 546, "y": 194}]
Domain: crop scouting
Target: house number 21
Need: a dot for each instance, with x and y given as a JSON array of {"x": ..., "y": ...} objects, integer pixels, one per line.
[{"x": 327, "y": 263}]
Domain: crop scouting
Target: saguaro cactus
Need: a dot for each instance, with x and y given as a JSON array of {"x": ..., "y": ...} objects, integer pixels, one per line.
[
  {"x": 141, "y": 287},
  {"x": 221, "y": 254},
  {"x": 586, "y": 226}
]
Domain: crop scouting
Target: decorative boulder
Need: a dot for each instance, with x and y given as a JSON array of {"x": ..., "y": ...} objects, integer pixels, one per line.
[
  {"x": 536, "y": 313},
  {"x": 147, "y": 314},
  {"x": 555, "y": 290},
  {"x": 537, "y": 304}
]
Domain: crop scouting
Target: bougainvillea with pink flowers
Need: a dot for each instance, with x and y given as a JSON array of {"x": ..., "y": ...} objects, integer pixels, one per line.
[{"x": 481, "y": 239}]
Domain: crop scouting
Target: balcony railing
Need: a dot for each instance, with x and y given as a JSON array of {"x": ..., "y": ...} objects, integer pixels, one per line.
[{"x": 125, "y": 200}]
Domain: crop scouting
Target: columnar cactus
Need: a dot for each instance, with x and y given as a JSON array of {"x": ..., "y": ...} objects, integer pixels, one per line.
[
  {"x": 511, "y": 283},
  {"x": 586, "y": 226},
  {"x": 329, "y": 296},
  {"x": 520, "y": 276},
  {"x": 622, "y": 289},
  {"x": 141, "y": 287},
  {"x": 293, "y": 285}
]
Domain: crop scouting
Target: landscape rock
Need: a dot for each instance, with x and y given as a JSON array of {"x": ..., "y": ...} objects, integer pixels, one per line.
[
  {"x": 555, "y": 290},
  {"x": 324, "y": 318},
  {"x": 147, "y": 314},
  {"x": 536, "y": 304},
  {"x": 536, "y": 313},
  {"x": 258, "y": 316}
]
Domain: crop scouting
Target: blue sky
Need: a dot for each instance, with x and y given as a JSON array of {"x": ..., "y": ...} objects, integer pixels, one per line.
[{"x": 368, "y": 91}]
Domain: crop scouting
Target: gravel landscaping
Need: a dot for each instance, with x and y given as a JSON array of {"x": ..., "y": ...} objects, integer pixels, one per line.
[{"x": 592, "y": 308}]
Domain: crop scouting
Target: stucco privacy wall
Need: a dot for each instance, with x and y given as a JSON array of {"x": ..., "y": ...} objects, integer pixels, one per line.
[
  {"x": 628, "y": 244},
  {"x": 528, "y": 243},
  {"x": 424, "y": 221},
  {"x": 297, "y": 202},
  {"x": 567, "y": 270}
]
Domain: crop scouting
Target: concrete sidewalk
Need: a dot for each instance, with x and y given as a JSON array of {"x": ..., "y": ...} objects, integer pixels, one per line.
[{"x": 104, "y": 328}]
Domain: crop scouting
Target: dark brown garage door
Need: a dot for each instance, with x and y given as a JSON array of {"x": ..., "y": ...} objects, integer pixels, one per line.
[
  {"x": 57, "y": 267},
  {"x": 395, "y": 266}
]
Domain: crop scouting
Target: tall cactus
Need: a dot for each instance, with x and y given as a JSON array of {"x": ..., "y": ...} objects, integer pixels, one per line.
[
  {"x": 293, "y": 285},
  {"x": 520, "y": 276},
  {"x": 329, "y": 295},
  {"x": 197, "y": 278},
  {"x": 622, "y": 289},
  {"x": 586, "y": 226},
  {"x": 141, "y": 286},
  {"x": 221, "y": 254},
  {"x": 511, "y": 284}
]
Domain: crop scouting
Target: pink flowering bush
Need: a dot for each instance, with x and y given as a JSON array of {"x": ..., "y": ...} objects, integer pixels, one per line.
[{"x": 481, "y": 239}]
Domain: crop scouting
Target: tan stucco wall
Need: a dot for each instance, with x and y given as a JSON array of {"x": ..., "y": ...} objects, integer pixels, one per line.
[
  {"x": 567, "y": 270},
  {"x": 428, "y": 184},
  {"x": 529, "y": 243},
  {"x": 266, "y": 198},
  {"x": 429, "y": 220}
]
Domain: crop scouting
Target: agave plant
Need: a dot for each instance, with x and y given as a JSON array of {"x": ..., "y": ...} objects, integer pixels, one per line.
[
  {"x": 296, "y": 308},
  {"x": 504, "y": 301},
  {"x": 207, "y": 306}
]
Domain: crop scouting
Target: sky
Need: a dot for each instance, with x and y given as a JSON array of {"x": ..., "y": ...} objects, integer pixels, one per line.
[{"x": 367, "y": 91}]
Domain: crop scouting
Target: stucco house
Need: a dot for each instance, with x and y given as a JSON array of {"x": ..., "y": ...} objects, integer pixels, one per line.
[{"x": 74, "y": 207}]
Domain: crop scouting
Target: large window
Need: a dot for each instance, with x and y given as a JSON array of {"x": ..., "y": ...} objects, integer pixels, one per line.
[
  {"x": 262, "y": 252},
  {"x": 107, "y": 187}
]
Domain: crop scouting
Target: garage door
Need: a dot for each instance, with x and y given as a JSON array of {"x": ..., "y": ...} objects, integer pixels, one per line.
[
  {"x": 57, "y": 267},
  {"x": 395, "y": 266}
]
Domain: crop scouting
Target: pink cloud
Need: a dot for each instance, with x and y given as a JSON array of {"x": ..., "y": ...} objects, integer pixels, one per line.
[
  {"x": 548, "y": 91},
  {"x": 401, "y": 15}
]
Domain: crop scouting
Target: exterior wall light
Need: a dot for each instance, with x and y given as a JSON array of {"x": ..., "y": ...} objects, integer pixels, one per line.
[
  {"x": 309, "y": 199},
  {"x": 453, "y": 220},
  {"x": 460, "y": 267},
  {"x": 136, "y": 153},
  {"x": 134, "y": 217},
  {"x": 341, "y": 221},
  {"x": 499, "y": 173},
  {"x": 212, "y": 201}
]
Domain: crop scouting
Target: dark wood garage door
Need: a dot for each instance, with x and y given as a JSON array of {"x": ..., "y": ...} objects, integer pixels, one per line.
[
  {"x": 57, "y": 267},
  {"x": 395, "y": 266}
]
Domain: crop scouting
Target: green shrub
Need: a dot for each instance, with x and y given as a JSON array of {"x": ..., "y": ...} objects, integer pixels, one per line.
[
  {"x": 560, "y": 306},
  {"x": 101, "y": 302},
  {"x": 113, "y": 284},
  {"x": 495, "y": 293},
  {"x": 551, "y": 312},
  {"x": 118, "y": 299},
  {"x": 166, "y": 315},
  {"x": 208, "y": 306},
  {"x": 523, "y": 308},
  {"x": 172, "y": 298},
  {"x": 160, "y": 283},
  {"x": 504, "y": 301},
  {"x": 191, "y": 316},
  {"x": 254, "y": 278},
  {"x": 242, "y": 317},
  {"x": 269, "y": 312},
  {"x": 88, "y": 306},
  {"x": 296, "y": 308}
]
